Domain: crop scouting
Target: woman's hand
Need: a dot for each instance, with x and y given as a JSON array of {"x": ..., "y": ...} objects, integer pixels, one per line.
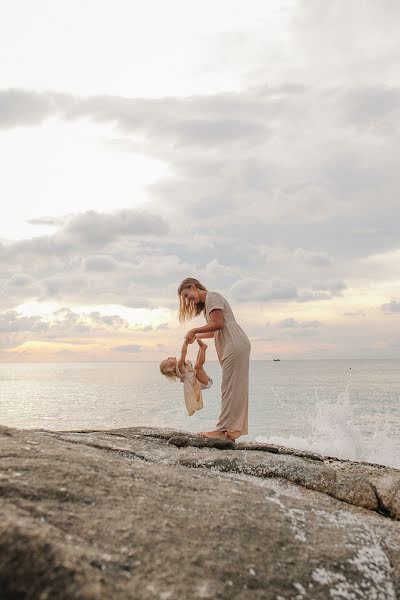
[{"x": 190, "y": 336}]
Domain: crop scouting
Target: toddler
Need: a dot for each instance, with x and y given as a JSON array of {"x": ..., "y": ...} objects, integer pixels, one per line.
[{"x": 194, "y": 379}]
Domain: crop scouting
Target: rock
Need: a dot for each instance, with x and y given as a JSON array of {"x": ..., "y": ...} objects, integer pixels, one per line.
[
  {"x": 200, "y": 442},
  {"x": 150, "y": 513}
]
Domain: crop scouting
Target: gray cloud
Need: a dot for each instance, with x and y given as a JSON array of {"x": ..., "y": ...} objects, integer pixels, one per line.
[
  {"x": 22, "y": 108},
  {"x": 290, "y": 322},
  {"x": 333, "y": 286},
  {"x": 291, "y": 327},
  {"x": 303, "y": 188},
  {"x": 391, "y": 307},
  {"x": 46, "y": 221},
  {"x": 114, "y": 321},
  {"x": 98, "y": 229},
  {"x": 62, "y": 325},
  {"x": 10, "y": 322},
  {"x": 69, "y": 264},
  {"x": 17, "y": 329},
  {"x": 363, "y": 37},
  {"x": 128, "y": 348},
  {"x": 255, "y": 290},
  {"x": 100, "y": 263},
  {"x": 283, "y": 192},
  {"x": 355, "y": 313},
  {"x": 19, "y": 280}
]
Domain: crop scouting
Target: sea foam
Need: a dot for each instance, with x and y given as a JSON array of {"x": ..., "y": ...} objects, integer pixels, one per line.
[{"x": 330, "y": 429}]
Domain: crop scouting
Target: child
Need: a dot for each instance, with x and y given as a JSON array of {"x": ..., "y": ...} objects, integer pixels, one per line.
[{"x": 194, "y": 379}]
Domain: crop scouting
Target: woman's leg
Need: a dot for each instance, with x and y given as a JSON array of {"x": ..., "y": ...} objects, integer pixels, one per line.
[
  {"x": 234, "y": 394},
  {"x": 203, "y": 377}
]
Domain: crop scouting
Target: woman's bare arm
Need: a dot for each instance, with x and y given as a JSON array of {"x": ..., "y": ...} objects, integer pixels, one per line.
[
  {"x": 210, "y": 334},
  {"x": 216, "y": 321}
]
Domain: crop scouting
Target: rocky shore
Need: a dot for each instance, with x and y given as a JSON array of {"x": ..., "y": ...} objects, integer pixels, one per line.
[{"x": 145, "y": 513}]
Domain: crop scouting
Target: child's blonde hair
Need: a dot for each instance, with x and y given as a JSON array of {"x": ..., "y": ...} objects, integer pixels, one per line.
[
  {"x": 187, "y": 309},
  {"x": 169, "y": 372}
]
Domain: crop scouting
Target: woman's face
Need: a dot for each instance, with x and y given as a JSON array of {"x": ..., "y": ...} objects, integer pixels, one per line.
[{"x": 191, "y": 293}]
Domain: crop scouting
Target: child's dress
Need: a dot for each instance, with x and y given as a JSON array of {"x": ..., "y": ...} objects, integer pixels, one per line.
[{"x": 192, "y": 388}]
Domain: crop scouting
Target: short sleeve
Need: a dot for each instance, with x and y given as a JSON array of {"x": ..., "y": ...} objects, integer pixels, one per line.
[{"x": 214, "y": 300}]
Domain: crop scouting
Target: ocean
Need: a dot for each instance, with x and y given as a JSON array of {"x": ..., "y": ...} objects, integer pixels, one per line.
[{"x": 343, "y": 408}]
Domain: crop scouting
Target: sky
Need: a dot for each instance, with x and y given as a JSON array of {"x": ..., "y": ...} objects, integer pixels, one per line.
[{"x": 253, "y": 146}]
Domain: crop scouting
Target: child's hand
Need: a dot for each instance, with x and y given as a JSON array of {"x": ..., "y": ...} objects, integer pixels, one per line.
[{"x": 190, "y": 336}]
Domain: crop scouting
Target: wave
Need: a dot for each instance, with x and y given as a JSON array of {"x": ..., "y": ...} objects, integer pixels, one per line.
[{"x": 331, "y": 430}]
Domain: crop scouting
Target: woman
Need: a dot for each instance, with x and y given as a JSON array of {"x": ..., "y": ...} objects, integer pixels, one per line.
[{"x": 233, "y": 350}]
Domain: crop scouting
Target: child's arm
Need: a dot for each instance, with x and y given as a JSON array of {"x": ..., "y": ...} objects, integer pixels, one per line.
[{"x": 181, "y": 361}]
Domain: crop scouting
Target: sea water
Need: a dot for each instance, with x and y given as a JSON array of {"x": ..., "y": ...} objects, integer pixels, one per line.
[{"x": 343, "y": 408}]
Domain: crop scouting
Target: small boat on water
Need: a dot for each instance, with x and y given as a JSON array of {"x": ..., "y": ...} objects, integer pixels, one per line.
[{"x": 276, "y": 359}]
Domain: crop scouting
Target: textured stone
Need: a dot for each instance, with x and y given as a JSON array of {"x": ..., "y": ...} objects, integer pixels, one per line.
[{"x": 147, "y": 513}]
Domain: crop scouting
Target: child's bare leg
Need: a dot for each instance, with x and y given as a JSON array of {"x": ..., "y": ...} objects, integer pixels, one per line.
[
  {"x": 198, "y": 359},
  {"x": 201, "y": 356},
  {"x": 201, "y": 343}
]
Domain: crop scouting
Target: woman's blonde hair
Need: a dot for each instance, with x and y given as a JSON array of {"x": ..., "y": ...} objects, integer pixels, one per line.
[{"x": 187, "y": 308}]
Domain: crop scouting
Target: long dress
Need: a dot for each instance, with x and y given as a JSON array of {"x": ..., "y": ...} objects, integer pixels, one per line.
[{"x": 233, "y": 350}]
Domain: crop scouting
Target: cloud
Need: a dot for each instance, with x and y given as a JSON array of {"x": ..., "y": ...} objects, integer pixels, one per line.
[
  {"x": 259, "y": 290},
  {"x": 293, "y": 328},
  {"x": 355, "y": 313},
  {"x": 69, "y": 264},
  {"x": 114, "y": 321},
  {"x": 363, "y": 37},
  {"x": 19, "y": 280},
  {"x": 56, "y": 221},
  {"x": 61, "y": 326},
  {"x": 333, "y": 286},
  {"x": 391, "y": 307},
  {"x": 264, "y": 180},
  {"x": 230, "y": 213},
  {"x": 283, "y": 192},
  {"x": 11, "y": 322},
  {"x": 24, "y": 107},
  {"x": 134, "y": 348},
  {"x": 98, "y": 229},
  {"x": 290, "y": 323},
  {"x": 313, "y": 259},
  {"x": 100, "y": 263},
  {"x": 61, "y": 286}
]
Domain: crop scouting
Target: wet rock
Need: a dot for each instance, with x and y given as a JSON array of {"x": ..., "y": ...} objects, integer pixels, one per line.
[
  {"x": 159, "y": 513},
  {"x": 200, "y": 442}
]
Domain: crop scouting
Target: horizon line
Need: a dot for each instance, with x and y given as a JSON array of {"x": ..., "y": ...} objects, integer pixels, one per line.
[{"x": 156, "y": 361}]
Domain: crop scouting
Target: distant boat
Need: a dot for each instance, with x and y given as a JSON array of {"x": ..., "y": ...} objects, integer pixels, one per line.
[{"x": 275, "y": 359}]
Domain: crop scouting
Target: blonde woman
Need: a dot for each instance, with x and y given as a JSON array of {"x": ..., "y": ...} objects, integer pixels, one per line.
[{"x": 233, "y": 350}]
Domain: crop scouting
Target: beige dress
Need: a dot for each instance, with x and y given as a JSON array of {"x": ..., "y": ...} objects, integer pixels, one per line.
[
  {"x": 192, "y": 388},
  {"x": 233, "y": 350}
]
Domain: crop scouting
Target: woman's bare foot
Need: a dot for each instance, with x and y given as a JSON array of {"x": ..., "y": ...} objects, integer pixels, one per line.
[
  {"x": 213, "y": 434},
  {"x": 201, "y": 343},
  {"x": 232, "y": 434}
]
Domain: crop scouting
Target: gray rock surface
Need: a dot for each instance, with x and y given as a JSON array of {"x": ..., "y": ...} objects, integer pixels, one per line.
[{"x": 148, "y": 513}]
